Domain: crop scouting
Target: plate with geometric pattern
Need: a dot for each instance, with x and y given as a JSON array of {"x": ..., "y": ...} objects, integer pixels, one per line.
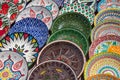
[
  {"x": 52, "y": 70},
  {"x": 22, "y": 43},
  {"x": 12, "y": 66},
  {"x": 103, "y": 63}
]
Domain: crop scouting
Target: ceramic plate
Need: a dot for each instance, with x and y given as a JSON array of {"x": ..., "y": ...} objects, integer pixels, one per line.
[
  {"x": 69, "y": 1},
  {"x": 104, "y": 4},
  {"x": 103, "y": 63},
  {"x": 71, "y": 35},
  {"x": 4, "y": 25},
  {"x": 102, "y": 77},
  {"x": 22, "y": 43},
  {"x": 110, "y": 13},
  {"x": 91, "y": 3},
  {"x": 60, "y": 3},
  {"x": 79, "y": 8},
  {"x": 38, "y": 12},
  {"x": 102, "y": 44},
  {"x": 19, "y": 3},
  {"x": 107, "y": 28},
  {"x": 65, "y": 51},
  {"x": 49, "y": 4},
  {"x": 9, "y": 9},
  {"x": 72, "y": 20},
  {"x": 34, "y": 27},
  {"x": 12, "y": 66},
  {"x": 52, "y": 70}
]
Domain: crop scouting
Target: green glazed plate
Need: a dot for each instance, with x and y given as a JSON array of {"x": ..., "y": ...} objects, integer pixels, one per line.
[
  {"x": 72, "y": 20},
  {"x": 71, "y": 35}
]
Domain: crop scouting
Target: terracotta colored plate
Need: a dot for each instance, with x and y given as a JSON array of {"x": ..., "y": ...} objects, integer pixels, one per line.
[
  {"x": 34, "y": 27},
  {"x": 103, "y": 63},
  {"x": 22, "y": 43},
  {"x": 102, "y": 77},
  {"x": 38, "y": 12},
  {"x": 106, "y": 28},
  {"x": 71, "y": 35},
  {"x": 19, "y": 3},
  {"x": 4, "y": 25},
  {"x": 110, "y": 13},
  {"x": 65, "y": 51},
  {"x": 13, "y": 66},
  {"x": 72, "y": 20},
  {"x": 9, "y": 9},
  {"x": 79, "y": 8},
  {"x": 52, "y": 70},
  {"x": 104, "y": 4},
  {"x": 49, "y": 4},
  {"x": 102, "y": 44}
]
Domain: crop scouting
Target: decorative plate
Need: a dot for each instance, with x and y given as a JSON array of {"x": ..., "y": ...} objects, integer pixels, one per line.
[
  {"x": 104, "y": 4},
  {"x": 102, "y": 44},
  {"x": 48, "y": 4},
  {"x": 79, "y": 8},
  {"x": 108, "y": 28},
  {"x": 72, "y": 20},
  {"x": 69, "y": 1},
  {"x": 22, "y": 43},
  {"x": 12, "y": 66},
  {"x": 91, "y": 3},
  {"x": 102, "y": 77},
  {"x": 19, "y": 3},
  {"x": 65, "y": 51},
  {"x": 4, "y": 25},
  {"x": 52, "y": 70},
  {"x": 103, "y": 63},
  {"x": 9, "y": 9},
  {"x": 34, "y": 27},
  {"x": 38, "y": 12},
  {"x": 71, "y": 35},
  {"x": 109, "y": 13},
  {"x": 60, "y": 3}
]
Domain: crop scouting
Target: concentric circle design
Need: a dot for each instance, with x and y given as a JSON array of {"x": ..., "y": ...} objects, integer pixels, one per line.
[
  {"x": 22, "y": 43},
  {"x": 52, "y": 70},
  {"x": 103, "y": 63}
]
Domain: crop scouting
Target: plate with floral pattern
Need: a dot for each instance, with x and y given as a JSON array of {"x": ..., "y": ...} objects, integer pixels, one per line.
[
  {"x": 52, "y": 70},
  {"x": 48, "y": 4},
  {"x": 104, "y": 4},
  {"x": 9, "y": 9},
  {"x": 79, "y": 8},
  {"x": 12, "y": 66},
  {"x": 4, "y": 25},
  {"x": 65, "y": 51},
  {"x": 103, "y": 63},
  {"x": 19, "y": 3},
  {"x": 38, "y": 12},
  {"x": 22, "y": 43},
  {"x": 102, "y": 44},
  {"x": 60, "y": 3},
  {"x": 34, "y": 27}
]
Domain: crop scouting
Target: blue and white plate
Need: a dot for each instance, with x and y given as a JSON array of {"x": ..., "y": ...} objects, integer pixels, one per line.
[{"x": 32, "y": 26}]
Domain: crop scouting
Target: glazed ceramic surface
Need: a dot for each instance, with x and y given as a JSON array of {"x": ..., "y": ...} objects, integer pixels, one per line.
[
  {"x": 38, "y": 12},
  {"x": 65, "y": 51},
  {"x": 4, "y": 25},
  {"x": 34, "y": 27},
  {"x": 48, "y": 4},
  {"x": 72, "y": 20},
  {"x": 71, "y": 35},
  {"x": 60, "y": 3},
  {"x": 13, "y": 66},
  {"x": 22, "y": 43},
  {"x": 69, "y": 1},
  {"x": 103, "y": 63},
  {"x": 79, "y": 8},
  {"x": 9, "y": 9},
  {"x": 52, "y": 70}
]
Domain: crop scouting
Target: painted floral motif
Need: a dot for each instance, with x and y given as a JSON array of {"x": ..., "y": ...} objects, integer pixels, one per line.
[
  {"x": 10, "y": 70},
  {"x": 22, "y": 43}
]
